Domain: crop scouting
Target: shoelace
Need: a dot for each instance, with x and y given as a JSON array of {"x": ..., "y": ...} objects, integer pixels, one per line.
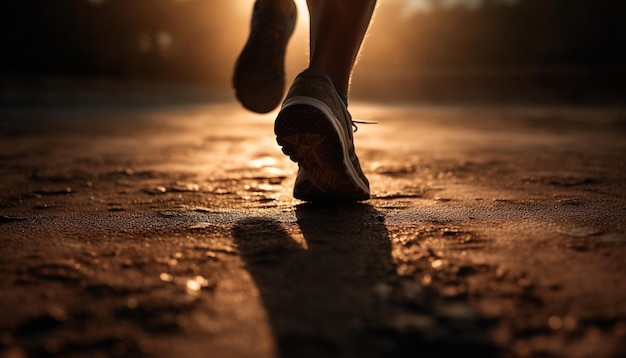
[{"x": 357, "y": 121}]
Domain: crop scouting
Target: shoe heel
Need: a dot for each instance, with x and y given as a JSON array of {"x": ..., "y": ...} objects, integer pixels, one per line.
[{"x": 307, "y": 136}]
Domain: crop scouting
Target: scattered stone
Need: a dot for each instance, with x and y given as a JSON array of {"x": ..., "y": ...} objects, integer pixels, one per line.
[
  {"x": 54, "y": 191},
  {"x": 156, "y": 190},
  {"x": 9, "y": 219},
  {"x": 581, "y": 231},
  {"x": 185, "y": 187}
]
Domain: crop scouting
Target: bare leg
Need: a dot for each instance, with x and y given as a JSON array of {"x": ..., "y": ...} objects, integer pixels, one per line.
[{"x": 337, "y": 31}]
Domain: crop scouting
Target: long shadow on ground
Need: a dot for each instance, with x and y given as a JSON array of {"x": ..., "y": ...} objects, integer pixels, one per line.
[{"x": 338, "y": 294}]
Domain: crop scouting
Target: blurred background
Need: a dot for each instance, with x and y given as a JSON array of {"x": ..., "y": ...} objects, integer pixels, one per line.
[{"x": 509, "y": 51}]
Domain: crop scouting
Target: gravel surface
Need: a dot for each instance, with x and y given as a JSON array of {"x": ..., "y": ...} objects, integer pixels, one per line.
[{"x": 170, "y": 231}]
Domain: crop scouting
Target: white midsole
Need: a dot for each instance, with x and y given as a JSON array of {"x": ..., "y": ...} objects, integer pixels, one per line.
[{"x": 343, "y": 136}]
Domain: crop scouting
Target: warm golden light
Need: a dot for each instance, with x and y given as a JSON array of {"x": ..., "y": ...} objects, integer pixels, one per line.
[{"x": 302, "y": 9}]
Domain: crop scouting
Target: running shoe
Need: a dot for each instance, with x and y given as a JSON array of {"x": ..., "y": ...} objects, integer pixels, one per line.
[
  {"x": 259, "y": 76},
  {"x": 314, "y": 129}
]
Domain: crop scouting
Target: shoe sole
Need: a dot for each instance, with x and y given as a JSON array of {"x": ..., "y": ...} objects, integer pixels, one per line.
[
  {"x": 256, "y": 89},
  {"x": 310, "y": 135},
  {"x": 260, "y": 85}
]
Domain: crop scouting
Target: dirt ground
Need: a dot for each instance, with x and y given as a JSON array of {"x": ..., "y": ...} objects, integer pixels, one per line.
[{"x": 170, "y": 231}]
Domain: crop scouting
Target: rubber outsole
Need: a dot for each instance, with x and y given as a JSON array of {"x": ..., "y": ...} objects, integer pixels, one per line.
[
  {"x": 309, "y": 138},
  {"x": 259, "y": 75},
  {"x": 256, "y": 90}
]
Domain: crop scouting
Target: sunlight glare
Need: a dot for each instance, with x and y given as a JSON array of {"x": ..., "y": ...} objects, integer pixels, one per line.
[{"x": 302, "y": 9}]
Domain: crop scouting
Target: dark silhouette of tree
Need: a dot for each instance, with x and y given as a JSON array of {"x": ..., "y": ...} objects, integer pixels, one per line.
[
  {"x": 191, "y": 40},
  {"x": 582, "y": 32},
  {"x": 124, "y": 38}
]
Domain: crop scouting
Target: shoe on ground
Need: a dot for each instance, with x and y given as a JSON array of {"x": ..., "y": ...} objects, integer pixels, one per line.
[
  {"x": 259, "y": 76},
  {"x": 314, "y": 129}
]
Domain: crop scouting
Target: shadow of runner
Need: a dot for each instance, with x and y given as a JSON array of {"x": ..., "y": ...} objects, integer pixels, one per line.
[{"x": 338, "y": 294}]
